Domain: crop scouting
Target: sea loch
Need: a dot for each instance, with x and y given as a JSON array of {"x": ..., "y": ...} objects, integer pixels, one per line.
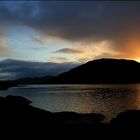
[{"x": 106, "y": 99}]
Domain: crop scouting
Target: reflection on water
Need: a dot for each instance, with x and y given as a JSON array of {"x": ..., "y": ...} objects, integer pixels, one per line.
[{"x": 105, "y": 99}]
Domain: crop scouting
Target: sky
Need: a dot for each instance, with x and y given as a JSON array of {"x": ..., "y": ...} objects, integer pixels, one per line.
[{"x": 76, "y": 32}]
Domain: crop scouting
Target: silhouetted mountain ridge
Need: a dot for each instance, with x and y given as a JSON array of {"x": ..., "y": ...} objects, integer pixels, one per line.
[{"x": 101, "y": 71}]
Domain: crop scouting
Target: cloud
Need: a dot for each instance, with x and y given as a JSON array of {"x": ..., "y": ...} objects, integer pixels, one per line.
[
  {"x": 41, "y": 39},
  {"x": 38, "y": 48},
  {"x": 61, "y": 60},
  {"x": 68, "y": 51},
  {"x": 89, "y": 22},
  {"x": 76, "y": 20},
  {"x": 15, "y": 69},
  {"x": 87, "y": 51},
  {"x": 95, "y": 50},
  {"x": 4, "y": 50},
  {"x": 6, "y": 75},
  {"x": 81, "y": 22}
]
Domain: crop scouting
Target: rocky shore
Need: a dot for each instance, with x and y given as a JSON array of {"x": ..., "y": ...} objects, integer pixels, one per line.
[
  {"x": 4, "y": 85},
  {"x": 19, "y": 117}
]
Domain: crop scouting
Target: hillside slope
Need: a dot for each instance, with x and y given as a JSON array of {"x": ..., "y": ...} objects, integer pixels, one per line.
[{"x": 102, "y": 71}]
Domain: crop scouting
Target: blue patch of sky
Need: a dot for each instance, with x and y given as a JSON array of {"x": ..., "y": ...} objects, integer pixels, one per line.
[{"x": 21, "y": 41}]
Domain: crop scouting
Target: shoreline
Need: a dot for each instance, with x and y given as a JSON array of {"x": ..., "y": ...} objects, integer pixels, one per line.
[{"x": 16, "y": 111}]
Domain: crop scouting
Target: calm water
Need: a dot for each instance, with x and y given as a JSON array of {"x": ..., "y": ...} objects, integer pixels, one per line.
[{"x": 105, "y": 99}]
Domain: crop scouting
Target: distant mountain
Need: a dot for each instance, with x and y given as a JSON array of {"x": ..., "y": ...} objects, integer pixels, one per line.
[
  {"x": 34, "y": 80},
  {"x": 11, "y": 69},
  {"x": 102, "y": 71}
]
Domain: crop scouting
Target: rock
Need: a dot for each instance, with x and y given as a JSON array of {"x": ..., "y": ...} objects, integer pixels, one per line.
[
  {"x": 4, "y": 85},
  {"x": 18, "y": 116},
  {"x": 126, "y": 124},
  {"x": 130, "y": 117},
  {"x": 18, "y": 100}
]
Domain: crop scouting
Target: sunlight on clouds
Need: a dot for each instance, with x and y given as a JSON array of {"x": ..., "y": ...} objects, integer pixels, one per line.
[
  {"x": 4, "y": 51},
  {"x": 40, "y": 32},
  {"x": 130, "y": 47},
  {"x": 61, "y": 60},
  {"x": 83, "y": 52},
  {"x": 88, "y": 51},
  {"x": 94, "y": 50}
]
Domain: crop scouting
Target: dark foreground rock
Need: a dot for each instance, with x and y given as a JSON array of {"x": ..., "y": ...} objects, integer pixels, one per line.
[
  {"x": 18, "y": 117},
  {"x": 4, "y": 85}
]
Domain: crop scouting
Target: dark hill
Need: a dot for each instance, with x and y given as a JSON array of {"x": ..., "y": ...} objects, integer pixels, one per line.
[{"x": 101, "y": 71}]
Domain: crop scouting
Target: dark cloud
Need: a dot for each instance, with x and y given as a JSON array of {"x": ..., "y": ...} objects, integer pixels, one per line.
[
  {"x": 85, "y": 21},
  {"x": 68, "y": 51},
  {"x": 78, "y": 21},
  {"x": 14, "y": 69}
]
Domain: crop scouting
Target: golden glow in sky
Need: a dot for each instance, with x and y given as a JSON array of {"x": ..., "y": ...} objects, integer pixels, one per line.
[{"x": 69, "y": 31}]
